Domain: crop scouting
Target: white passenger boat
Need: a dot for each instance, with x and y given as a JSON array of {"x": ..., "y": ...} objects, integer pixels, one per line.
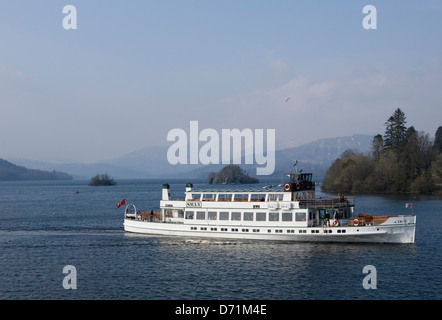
[{"x": 289, "y": 214}]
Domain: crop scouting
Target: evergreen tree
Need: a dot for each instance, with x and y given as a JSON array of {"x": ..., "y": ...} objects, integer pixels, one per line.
[
  {"x": 410, "y": 131},
  {"x": 377, "y": 146},
  {"x": 396, "y": 131},
  {"x": 437, "y": 145}
]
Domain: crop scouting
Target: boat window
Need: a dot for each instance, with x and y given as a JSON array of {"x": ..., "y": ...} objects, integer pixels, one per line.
[
  {"x": 321, "y": 214},
  {"x": 236, "y": 216},
  {"x": 168, "y": 213},
  {"x": 211, "y": 215},
  {"x": 260, "y": 216},
  {"x": 200, "y": 215},
  {"x": 224, "y": 216},
  {"x": 196, "y": 196},
  {"x": 241, "y": 197},
  {"x": 180, "y": 214},
  {"x": 287, "y": 216},
  {"x": 248, "y": 216},
  {"x": 300, "y": 216},
  {"x": 275, "y": 197},
  {"x": 189, "y": 214},
  {"x": 224, "y": 197},
  {"x": 208, "y": 197},
  {"x": 273, "y": 216}
]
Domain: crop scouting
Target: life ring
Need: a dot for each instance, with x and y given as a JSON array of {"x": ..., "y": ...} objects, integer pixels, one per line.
[
  {"x": 335, "y": 223},
  {"x": 355, "y": 222},
  {"x": 287, "y": 187}
]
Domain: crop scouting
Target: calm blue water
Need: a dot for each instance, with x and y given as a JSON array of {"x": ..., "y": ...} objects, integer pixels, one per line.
[{"x": 45, "y": 226}]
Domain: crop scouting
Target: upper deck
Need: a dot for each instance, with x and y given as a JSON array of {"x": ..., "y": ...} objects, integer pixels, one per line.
[
  {"x": 289, "y": 205},
  {"x": 289, "y": 196}
]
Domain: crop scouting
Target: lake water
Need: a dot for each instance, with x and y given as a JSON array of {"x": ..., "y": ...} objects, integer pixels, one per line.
[{"x": 45, "y": 226}]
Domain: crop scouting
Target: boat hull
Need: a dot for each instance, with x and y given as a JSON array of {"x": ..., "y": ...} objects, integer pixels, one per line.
[{"x": 390, "y": 233}]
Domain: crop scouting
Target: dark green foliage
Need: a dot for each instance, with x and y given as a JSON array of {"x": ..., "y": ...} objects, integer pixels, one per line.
[
  {"x": 405, "y": 161},
  {"x": 102, "y": 180},
  {"x": 231, "y": 174},
  {"x": 396, "y": 131},
  {"x": 377, "y": 146},
  {"x": 347, "y": 174},
  {"x": 437, "y": 147}
]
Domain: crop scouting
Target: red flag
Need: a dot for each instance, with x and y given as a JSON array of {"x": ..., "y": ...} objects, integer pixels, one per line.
[
  {"x": 121, "y": 203},
  {"x": 408, "y": 205}
]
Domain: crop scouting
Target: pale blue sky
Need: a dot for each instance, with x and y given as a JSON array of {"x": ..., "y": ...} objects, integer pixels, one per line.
[{"x": 134, "y": 70}]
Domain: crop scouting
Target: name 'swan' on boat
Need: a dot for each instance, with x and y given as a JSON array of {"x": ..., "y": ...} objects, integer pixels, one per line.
[{"x": 292, "y": 213}]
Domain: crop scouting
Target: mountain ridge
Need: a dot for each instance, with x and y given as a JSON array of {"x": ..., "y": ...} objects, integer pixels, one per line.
[{"x": 151, "y": 162}]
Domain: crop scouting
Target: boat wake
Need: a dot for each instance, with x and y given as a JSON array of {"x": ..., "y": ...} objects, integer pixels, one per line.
[{"x": 210, "y": 242}]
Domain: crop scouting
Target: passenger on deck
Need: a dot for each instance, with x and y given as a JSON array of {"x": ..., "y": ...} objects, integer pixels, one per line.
[
  {"x": 341, "y": 198},
  {"x": 151, "y": 216}
]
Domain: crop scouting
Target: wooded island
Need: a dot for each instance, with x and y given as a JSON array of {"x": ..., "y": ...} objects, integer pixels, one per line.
[{"x": 231, "y": 174}]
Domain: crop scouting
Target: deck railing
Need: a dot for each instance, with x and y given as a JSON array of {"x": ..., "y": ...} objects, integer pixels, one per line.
[{"x": 337, "y": 202}]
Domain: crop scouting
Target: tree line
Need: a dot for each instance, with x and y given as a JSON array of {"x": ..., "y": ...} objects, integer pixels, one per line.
[{"x": 403, "y": 160}]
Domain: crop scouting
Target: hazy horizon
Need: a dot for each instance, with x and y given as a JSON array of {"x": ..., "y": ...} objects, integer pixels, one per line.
[
  {"x": 59, "y": 160},
  {"x": 131, "y": 72}
]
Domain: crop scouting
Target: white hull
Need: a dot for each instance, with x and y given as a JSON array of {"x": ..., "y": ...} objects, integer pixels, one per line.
[
  {"x": 291, "y": 214},
  {"x": 398, "y": 231}
]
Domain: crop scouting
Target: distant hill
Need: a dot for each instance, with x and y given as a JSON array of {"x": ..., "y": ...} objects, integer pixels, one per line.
[
  {"x": 83, "y": 171},
  {"x": 12, "y": 172},
  {"x": 151, "y": 162},
  {"x": 317, "y": 156}
]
